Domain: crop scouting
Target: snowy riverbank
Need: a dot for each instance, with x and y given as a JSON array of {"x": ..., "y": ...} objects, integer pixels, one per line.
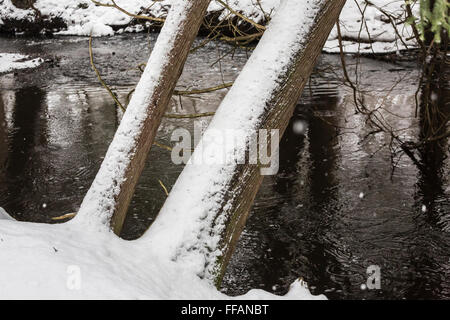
[
  {"x": 71, "y": 262},
  {"x": 14, "y": 61},
  {"x": 376, "y": 33}
]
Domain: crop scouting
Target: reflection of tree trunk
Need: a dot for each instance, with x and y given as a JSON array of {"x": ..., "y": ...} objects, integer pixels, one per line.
[
  {"x": 322, "y": 194},
  {"x": 320, "y": 135},
  {"x": 291, "y": 145},
  {"x": 107, "y": 201},
  {"x": 433, "y": 112},
  {"x": 433, "y": 176},
  {"x": 434, "y": 115},
  {"x": 323, "y": 157},
  {"x": 25, "y": 117}
]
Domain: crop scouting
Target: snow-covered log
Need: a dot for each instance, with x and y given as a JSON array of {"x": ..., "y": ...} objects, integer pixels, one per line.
[
  {"x": 207, "y": 208},
  {"x": 4, "y": 215},
  {"x": 107, "y": 200}
]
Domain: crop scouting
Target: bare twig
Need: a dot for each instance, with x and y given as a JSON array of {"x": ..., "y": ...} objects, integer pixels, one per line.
[
  {"x": 91, "y": 56},
  {"x": 255, "y": 24},
  {"x": 163, "y": 187},
  {"x": 113, "y": 4}
]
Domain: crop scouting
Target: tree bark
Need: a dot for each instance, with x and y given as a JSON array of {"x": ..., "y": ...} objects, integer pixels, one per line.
[
  {"x": 207, "y": 208},
  {"x": 107, "y": 201}
]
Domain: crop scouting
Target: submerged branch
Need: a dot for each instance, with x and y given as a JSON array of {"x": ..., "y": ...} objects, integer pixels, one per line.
[{"x": 91, "y": 56}]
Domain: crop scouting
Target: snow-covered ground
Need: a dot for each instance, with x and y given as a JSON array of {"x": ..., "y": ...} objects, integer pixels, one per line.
[
  {"x": 15, "y": 61},
  {"x": 68, "y": 261},
  {"x": 375, "y": 29}
]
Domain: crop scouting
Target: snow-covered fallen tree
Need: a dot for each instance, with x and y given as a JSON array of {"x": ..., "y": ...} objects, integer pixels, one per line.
[
  {"x": 40, "y": 261},
  {"x": 208, "y": 206},
  {"x": 84, "y": 259},
  {"x": 367, "y": 26},
  {"x": 110, "y": 194}
]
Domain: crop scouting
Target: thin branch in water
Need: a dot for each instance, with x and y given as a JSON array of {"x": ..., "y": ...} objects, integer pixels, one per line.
[
  {"x": 163, "y": 187},
  {"x": 206, "y": 90},
  {"x": 162, "y": 146},
  {"x": 91, "y": 56},
  {"x": 193, "y": 91},
  {"x": 65, "y": 216},
  {"x": 189, "y": 116}
]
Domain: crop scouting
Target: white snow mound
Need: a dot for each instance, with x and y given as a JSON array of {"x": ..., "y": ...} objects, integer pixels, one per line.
[
  {"x": 68, "y": 261},
  {"x": 368, "y": 21},
  {"x": 14, "y": 61}
]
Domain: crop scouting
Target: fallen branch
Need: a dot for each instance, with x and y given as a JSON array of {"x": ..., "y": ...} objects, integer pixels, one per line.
[
  {"x": 189, "y": 116},
  {"x": 200, "y": 91}
]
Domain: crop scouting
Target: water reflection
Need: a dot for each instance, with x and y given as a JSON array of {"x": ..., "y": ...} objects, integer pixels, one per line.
[
  {"x": 430, "y": 264},
  {"x": 55, "y": 144},
  {"x": 339, "y": 210},
  {"x": 22, "y": 140}
]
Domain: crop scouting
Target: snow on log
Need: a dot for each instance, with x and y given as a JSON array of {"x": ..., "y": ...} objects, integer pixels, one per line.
[
  {"x": 107, "y": 201},
  {"x": 207, "y": 208},
  {"x": 4, "y": 215}
]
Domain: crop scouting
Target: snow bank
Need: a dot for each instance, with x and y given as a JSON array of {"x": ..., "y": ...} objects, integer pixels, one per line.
[
  {"x": 378, "y": 33},
  {"x": 96, "y": 29},
  {"x": 66, "y": 261},
  {"x": 77, "y": 13},
  {"x": 9, "y": 11},
  {"x": 4, "y": 215},
  {"x": 14, "y": 61}
]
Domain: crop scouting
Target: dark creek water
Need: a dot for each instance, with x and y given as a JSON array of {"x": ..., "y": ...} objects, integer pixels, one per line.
[{"x": 335, "y": 208}]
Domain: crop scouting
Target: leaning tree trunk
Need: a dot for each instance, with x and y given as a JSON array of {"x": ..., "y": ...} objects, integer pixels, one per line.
[
  {"x": 207, "y": 208},
  {"x": 107, "y": 201}
]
